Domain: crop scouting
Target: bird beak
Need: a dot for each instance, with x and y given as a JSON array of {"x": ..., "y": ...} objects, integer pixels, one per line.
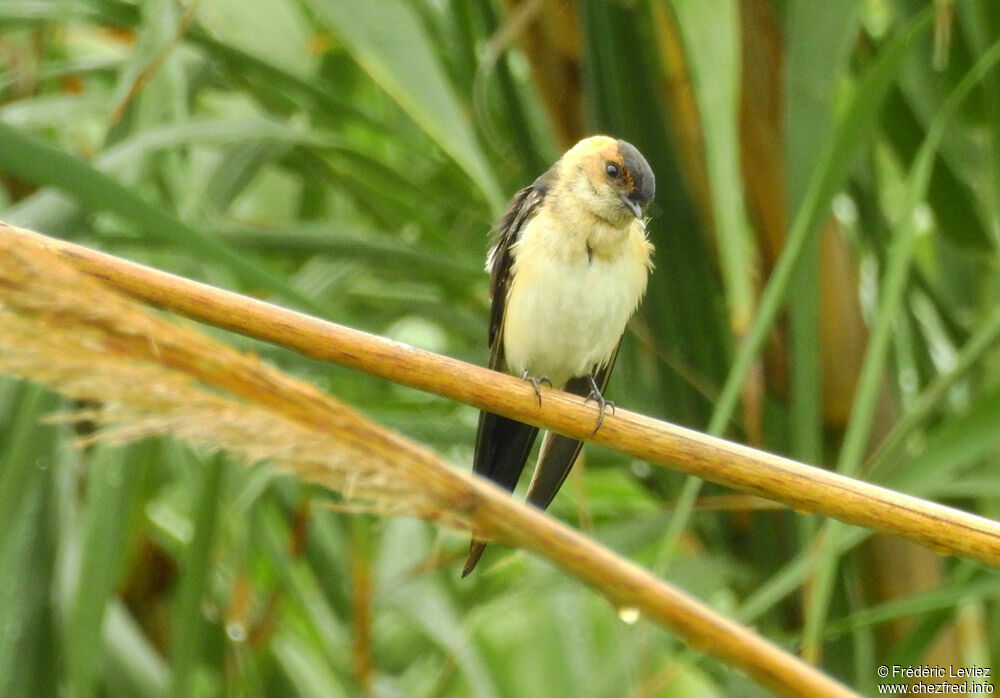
[
  {"x": 633, "y": 206},
  {"x": 643, "y": 183}
]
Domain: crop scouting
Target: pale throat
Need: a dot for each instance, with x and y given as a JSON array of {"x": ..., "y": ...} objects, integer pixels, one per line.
[
  {"x": 607, "y": 241},
  {"x": 591, "y": 234}
]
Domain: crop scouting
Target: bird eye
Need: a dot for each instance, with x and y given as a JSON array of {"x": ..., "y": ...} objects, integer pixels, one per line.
[{"x": 612, "y": 170}]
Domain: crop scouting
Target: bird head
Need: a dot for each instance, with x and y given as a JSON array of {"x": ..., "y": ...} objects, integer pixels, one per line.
[{"x": 610, "y": 177}]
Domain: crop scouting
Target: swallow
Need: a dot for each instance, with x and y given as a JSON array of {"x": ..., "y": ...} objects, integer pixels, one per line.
[{"x": 568, "y": 267}]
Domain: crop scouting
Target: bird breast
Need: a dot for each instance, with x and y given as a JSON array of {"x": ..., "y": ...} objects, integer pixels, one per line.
[{"x": 568, "y": 303}]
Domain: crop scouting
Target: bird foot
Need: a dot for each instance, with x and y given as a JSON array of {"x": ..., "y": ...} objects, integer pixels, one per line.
[
  {"x": 595, "y": 395},
  {"x": 536, "y": 383}
]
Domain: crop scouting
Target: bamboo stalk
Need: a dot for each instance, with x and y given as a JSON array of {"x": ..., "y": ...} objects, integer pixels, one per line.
[{"x": 804, "y": 488}]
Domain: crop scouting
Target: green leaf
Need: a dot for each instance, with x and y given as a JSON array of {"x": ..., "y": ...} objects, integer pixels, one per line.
[
  {"x": 890, "y": 302},
  {"x": 189, "y": 627},
  {"x": 712, "y": 39},
  {"x": 112, "y": 487},
  {"x": 819, "y": 38},
  {"x": 850, "y": 132},
  {"x": 28, "y": 547},
  {"x": 35, "y": 161},
  {"x": 389, "y": 43}
]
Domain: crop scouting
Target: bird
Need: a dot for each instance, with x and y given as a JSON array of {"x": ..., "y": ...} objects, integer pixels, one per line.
[{"x": 568, "y": 267}]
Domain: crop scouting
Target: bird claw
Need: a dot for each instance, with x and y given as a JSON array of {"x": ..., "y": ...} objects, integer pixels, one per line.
[
  {"x": 536, "y": 383},
  {"x": 595, "y": 395}
]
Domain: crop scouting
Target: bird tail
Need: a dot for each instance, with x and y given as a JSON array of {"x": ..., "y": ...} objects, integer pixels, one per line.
[{"x": 475, "y": 552}]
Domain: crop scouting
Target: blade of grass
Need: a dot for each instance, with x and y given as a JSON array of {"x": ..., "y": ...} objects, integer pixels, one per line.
[
  {"x": 28, "y": 645},
  {"x": 891, "y": 297},
  {"x": 961, "y": 586},
  {"x": 957, "y": 443},
  {"x": 850, "y": 132},
  {"x": 306, "y": 669},
  {"x": 985, "y": 337},
  {"x": 308, "y": 602},
  {"x": 111, "y": 485},
  {"x": 819, "y": 39},
  {"x": 956, "y": 209},
  {"x": 388, "y": 42},
  {"x": 828, "y": 176},
  {"x": 862, "y": 638},
  {"x": 981, "y": 24},
  {"x": 137, "y": 668},
  {"x": 32, "y": 11},
  {"x": 712, "y": 44},
  {"x": 188, "y": 626},
  {"x": 38, "y": 162}
]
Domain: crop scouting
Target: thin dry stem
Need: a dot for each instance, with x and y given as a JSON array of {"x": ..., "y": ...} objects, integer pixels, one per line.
[
  {"x": 151, "y": 376},
  {"x": 804, "y": 488},
  {"x": 70, "y": 333}
]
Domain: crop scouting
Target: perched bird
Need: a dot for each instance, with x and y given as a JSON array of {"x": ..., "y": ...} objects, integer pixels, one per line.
[{"x": 567, "y": 269}]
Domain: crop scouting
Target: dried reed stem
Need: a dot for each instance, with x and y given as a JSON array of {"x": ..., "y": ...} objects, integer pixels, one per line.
[
  {"x": 804, "y": 488},
  {"x": 69, "y": 331}
]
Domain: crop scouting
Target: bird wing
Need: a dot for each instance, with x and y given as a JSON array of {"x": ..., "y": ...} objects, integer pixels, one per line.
[
  {"x": 502, "y": 444},
  {"x": 505, "y": 233},
  {"x": 558, "y": 452}
]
